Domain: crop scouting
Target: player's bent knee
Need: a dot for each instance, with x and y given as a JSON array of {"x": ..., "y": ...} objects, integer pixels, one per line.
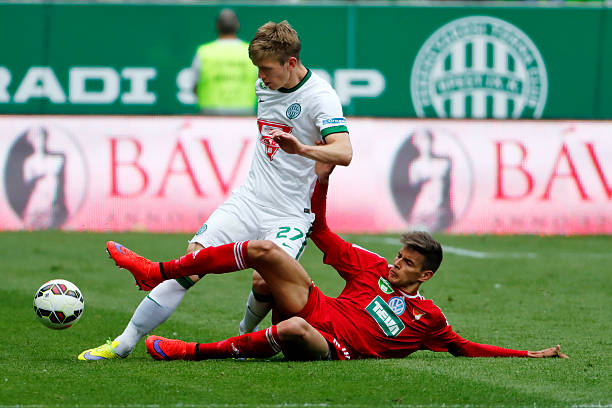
[
  {"x": 262, "y": 250},
  {"x": 259, "y": 284},
  {"x": 192, "y": 247},
  {"x": 293, "y": 328}
]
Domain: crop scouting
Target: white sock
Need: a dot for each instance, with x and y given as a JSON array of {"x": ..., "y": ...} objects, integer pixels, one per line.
[
  {"x": 255, "y": 312},
  {"x": 154, "y": 309}
]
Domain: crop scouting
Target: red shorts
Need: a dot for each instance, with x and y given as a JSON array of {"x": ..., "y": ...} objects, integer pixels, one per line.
[{"x": 316, "y": 312}]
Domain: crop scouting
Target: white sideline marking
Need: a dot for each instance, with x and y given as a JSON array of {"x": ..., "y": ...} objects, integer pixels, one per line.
[
  {"x": 459, "y": 251},
  {"x": 481, "y": 255},
  {"x": 281, "y": 405}
]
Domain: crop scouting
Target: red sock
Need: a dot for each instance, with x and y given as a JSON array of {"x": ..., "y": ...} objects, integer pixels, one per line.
[
  {"x": 190, "y": 351},
  {"x": 220, "y": 259},
  {"x": 259, "y": 344}
]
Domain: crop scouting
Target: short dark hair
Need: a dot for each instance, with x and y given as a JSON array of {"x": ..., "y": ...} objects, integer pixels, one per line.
[
  {"x": 426, "y": 245},
  {"x": 227, "y": 22}
]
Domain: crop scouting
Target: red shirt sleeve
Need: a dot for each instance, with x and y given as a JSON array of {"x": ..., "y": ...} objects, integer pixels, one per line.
[
  {"x": 446, "y": 339},
  {"x": 348, "y": 259},
  {"x": 471, "y": 349},
  {"x": 321, "y": 235},
  {"x": 318, "y": 203},
  {"x": 327, "y": 241}
]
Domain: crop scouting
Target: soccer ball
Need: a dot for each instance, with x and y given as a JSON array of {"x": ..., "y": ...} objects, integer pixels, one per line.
[{"x": 58, "y": 304}]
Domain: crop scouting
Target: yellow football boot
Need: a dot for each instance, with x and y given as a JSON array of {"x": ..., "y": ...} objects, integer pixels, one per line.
[{"x": 104, "y": 352}]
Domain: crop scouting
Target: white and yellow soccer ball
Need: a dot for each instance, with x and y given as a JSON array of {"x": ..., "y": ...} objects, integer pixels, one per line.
[{"x": 58, "y": 304}]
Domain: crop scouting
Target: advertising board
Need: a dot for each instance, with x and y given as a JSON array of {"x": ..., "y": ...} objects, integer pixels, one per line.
[
  {"x": 442, "y": 61},
  {"x": 169, "y": 173}
]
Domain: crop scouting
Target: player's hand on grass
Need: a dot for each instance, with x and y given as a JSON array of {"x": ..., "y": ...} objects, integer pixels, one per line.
[
  {"x": 286, "y": 141},
  {"x": 547, "y": 353}
]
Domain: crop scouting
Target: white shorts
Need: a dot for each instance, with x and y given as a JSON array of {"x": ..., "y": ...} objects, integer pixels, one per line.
[{"x": 239, "y": 219}]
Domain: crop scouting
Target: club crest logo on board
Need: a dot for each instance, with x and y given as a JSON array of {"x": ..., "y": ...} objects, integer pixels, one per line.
[
  {"x": 294, "y": 110},
  {"x": 45, "y": 177},
  {"x": 479, "y": 67}
]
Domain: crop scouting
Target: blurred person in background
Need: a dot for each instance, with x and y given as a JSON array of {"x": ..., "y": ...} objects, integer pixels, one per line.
[{"x": 223, "y": 75}]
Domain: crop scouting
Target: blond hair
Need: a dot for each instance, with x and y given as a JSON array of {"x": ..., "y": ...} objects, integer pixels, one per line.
[{"x": 277, "y": 41}]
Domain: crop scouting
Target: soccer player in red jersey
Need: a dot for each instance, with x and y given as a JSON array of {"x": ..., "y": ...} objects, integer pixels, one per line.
[{"x": 379, "y": 314}]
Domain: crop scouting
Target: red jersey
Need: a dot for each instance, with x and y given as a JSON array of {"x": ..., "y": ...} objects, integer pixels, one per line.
[{"x": 371, "y": 318}]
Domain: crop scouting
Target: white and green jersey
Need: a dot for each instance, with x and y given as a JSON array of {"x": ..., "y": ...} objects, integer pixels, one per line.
[{"x": 310, "y": 111}]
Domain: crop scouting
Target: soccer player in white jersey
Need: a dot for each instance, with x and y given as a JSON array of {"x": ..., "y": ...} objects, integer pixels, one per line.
[{"x": 300, "y": 121}]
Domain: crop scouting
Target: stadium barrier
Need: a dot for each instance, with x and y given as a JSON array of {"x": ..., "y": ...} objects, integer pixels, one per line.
[
  {"x": 432, "y": 60},
  {"x": 168, "y": 174}
]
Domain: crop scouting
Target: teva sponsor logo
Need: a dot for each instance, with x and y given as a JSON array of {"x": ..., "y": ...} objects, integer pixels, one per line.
[
  {"x": 388, "y": 321},
  {"x": 431, "y": 179},
  {"x": 385, "y": 286},
  {"x": 45, "y": 177},
  {"x": 479, "y": 67}
]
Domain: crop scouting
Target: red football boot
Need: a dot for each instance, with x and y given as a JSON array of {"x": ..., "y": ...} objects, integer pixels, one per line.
[
  {"x": 146, "y": 273},
  {"x": 161, "y": 348}
]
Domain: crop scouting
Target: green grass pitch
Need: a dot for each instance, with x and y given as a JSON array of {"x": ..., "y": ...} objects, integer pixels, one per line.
[{"x": 525, "y": 292}]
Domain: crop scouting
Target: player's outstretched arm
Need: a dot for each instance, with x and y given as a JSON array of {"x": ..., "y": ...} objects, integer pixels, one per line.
[
  {"x": 446, "y": 339},
  {"x": 466, "y": 348},
  {"x": 550, "y": 352}
]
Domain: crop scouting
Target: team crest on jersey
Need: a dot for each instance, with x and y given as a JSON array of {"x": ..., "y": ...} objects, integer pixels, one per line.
[
  {"x": 417, "y": 313},
  {"x": 270, "y": 145},
  {"x": 385, "y": 286},
  {"x": 294, "y": 110},
  {"x": 265, "y": 126},
  {"x": 398, "y": 305}
]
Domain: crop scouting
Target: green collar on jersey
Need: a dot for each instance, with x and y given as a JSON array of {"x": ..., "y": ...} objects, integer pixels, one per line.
[{"x": 298, "y": 86}]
